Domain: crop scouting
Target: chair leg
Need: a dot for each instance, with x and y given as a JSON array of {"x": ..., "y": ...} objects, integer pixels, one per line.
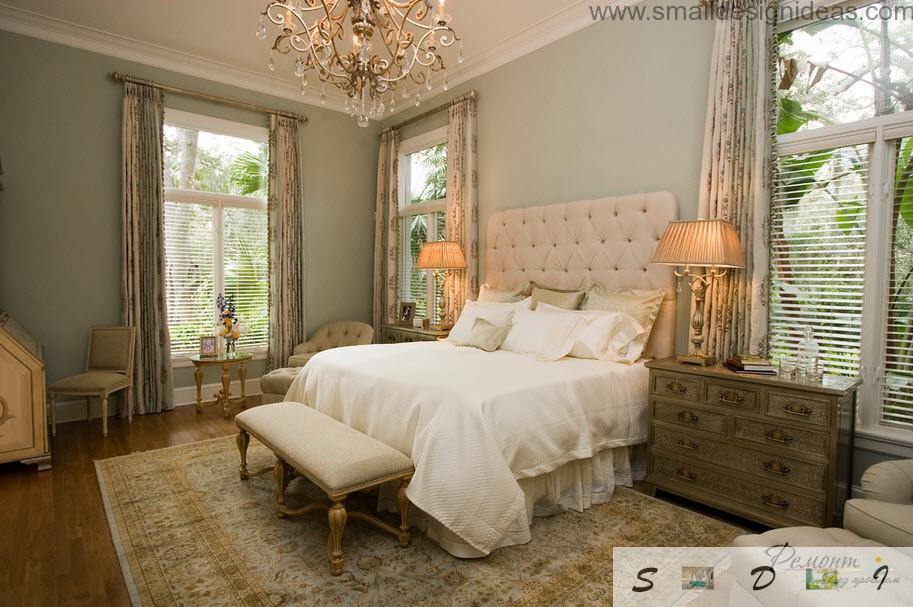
[
  {"x": 104, "y": 415},
  {"x": 403, "y": 502},
  {"x": 88, "y": 409},
  {"x": 337, "y": 519},
  {"x": 53, "y": 399},
  {"x": 243, "y": 441},
  {"x": 128, "y": 402}
]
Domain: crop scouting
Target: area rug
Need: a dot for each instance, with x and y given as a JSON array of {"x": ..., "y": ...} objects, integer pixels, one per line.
[{"x": 188, "y": 532}]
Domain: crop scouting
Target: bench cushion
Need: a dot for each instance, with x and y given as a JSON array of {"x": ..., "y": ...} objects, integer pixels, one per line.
[{"x": 333, "y": 455}]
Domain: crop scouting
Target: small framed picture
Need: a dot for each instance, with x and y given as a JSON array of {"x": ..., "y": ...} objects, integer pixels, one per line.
[
  {"x": 208, "y": 345},
  {"x": 406, "y": 313}
]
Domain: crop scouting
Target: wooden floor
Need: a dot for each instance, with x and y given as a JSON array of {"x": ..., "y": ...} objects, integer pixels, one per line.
[{"x": 55, "y": 547}]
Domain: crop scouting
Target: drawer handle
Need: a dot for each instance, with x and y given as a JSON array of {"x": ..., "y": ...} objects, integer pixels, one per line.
[
  {"x": 688, "y": 476},
  {"x": 690, "y": 445},
  {"x": 687, "y": 417},
  {"x": 775, "y": 501},
  {"x": 674, "y": 386},
  {"x": 776, "y": 468},
  {"x": 778, "y": 436},
  {"x": 801, "y": 410},
  {"x": 731, "y": 398}
]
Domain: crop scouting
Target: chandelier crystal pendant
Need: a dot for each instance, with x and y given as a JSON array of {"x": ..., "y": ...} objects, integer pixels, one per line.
[{"x": 365, "y": 48}]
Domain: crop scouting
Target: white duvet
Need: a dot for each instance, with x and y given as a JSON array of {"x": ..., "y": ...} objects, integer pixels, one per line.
[{"x": 473, "y": 422}]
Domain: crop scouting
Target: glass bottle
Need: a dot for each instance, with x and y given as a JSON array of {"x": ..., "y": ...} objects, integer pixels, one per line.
[{"x": 807, "y": 356}]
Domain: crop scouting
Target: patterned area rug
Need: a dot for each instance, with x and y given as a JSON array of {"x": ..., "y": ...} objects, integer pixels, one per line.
[{"x": 189, "y": 532}]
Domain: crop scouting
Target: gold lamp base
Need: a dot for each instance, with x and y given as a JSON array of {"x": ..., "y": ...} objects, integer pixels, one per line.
[{"x": 696, "y": 358}]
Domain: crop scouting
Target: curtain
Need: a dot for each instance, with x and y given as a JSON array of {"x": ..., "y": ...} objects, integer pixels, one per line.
[
  {"x": 386, "y": 234},
  {"x": 737, "y": 171},
  {"x": 463, "y": 201},
  {"x": 143, "y": 302},
  {"x": 286, "y": 251}
]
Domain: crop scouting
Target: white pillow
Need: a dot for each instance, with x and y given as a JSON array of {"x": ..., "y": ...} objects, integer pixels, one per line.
[
  {"x": 610, "y": 336},
  {"x": 544, "y": 335},
  {"x": 488, "y": 294},
  {"x": 495, "y": 313}
]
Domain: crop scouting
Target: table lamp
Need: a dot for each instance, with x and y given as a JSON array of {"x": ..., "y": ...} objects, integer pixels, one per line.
[
  {"x": 712, "y": 244},
  {"x": 442, "y": 257}
]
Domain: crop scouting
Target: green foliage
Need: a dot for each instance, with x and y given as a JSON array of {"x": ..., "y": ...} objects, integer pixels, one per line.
[
  {"x": 249, "y": 174},
  {"x": 435, "y": 186},
  {"x": 903, "y": 186},
  {"x": 791, "y": 116}
]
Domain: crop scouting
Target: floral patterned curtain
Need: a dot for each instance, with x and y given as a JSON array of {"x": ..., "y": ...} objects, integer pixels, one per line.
[
  {"x": 143, "y": 302},
  {"x": 463, "y": 200},
  {"x": 286, "y": 274},
  {"x": 737, "y": 171},
  {"x": 386, "y": 234}
]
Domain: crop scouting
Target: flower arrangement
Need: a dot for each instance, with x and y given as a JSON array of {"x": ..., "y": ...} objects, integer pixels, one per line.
[{"x": 229, "y": 326}]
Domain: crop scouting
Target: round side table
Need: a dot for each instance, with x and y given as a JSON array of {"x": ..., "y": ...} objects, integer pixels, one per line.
[{"x": 223, "y": 398}]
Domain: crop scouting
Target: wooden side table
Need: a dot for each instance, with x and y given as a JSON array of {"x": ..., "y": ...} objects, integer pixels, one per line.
[
  {"x": 397, "y": 334},
  {"x": 223, "y": 397}
]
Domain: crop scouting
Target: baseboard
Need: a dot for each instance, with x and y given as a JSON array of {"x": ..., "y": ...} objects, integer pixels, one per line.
[{"x": 72, "y": 410}]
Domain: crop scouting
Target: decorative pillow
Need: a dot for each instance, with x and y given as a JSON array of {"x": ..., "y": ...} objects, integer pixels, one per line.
[
  {"x": 606, "y": 335},
  {"x": 487, "y": 294},
  {"x": 560, "y": 298},
  {"x": 495, "y": 313},
  {"x": 486, "y": 335},
  {"x": 642, "y": 304},
  {"x": 543, "y": 335}
]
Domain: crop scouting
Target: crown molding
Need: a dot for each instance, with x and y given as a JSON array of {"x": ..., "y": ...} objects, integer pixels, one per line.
[
  {"x": 20, "y": 21},
  {"x": 51, "y": 29}
]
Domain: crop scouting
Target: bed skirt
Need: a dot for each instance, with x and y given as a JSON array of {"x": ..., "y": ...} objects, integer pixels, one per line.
[{"x": 576, "y": 485}]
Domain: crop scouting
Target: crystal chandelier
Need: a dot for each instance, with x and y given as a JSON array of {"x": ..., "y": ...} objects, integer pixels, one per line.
[{"x": 335, "y": 39}]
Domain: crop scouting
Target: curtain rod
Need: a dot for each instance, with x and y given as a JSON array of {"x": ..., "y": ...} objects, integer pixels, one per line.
[
  {"x": 470, "y": 95},
  {"x": 206, "y": 97}
]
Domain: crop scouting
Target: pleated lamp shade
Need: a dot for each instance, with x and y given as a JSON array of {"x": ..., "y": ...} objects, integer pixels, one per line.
[
  {"x": 441, "y": 255},
  {"x": 705, "y": 242}
]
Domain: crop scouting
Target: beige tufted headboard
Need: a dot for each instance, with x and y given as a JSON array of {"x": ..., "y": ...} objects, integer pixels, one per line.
[{"x": 572, "y": 245}]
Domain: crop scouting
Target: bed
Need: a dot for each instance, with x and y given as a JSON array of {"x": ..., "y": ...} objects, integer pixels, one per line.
[{"x": 498, "y": 437}]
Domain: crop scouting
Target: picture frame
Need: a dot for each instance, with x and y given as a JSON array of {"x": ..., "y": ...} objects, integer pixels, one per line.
[
  {"x": 406, "y": 313},
  {"x": 208, "y": 347}
]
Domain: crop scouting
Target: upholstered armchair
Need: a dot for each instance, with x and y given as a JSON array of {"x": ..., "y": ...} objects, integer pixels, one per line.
[
  {"x": 885, "y": 512},
  {"x": 332, "y": 335}
]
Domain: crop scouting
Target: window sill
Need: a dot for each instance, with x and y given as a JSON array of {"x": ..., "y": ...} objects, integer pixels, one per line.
[
  {"x": 179, "y": 362},
  {"x": 891, "y": 441}
]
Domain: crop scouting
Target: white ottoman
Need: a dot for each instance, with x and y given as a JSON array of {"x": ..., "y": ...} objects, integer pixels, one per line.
[{"x": 276, "y": 383}]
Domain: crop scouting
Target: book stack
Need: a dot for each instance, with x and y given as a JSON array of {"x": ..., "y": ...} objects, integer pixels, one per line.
[{"x": 749, "y": 364}]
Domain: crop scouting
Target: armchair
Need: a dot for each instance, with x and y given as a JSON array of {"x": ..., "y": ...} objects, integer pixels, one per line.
[
  {"x": 885, "y": 512},
  {"x": 332, "y": 335}
]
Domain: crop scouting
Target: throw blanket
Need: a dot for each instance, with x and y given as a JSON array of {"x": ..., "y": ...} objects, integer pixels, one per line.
[{"x": 473, "y": 422}]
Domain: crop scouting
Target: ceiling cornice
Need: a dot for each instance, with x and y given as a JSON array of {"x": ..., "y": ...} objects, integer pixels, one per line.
[{"x": 28, "y": 23}]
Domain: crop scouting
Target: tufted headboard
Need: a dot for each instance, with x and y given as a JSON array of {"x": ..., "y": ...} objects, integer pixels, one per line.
[{"x": 572, "y": 245}]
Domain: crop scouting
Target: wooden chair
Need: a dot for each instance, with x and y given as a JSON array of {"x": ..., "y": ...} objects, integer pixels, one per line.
[{"x": 109, "y": 369}]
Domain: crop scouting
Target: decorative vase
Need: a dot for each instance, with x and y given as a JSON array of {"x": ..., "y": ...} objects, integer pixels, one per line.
[{"x": 230, "y": 347}]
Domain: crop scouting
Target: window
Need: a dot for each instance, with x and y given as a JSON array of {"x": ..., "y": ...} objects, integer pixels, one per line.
[
  {"x": 422, "y": 210},
  {"x": 841, "y": 232},
  {"x": 215, "y": 228}
]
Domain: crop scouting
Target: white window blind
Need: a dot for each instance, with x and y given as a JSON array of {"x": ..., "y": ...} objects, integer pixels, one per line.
[
  {"x": 897, "y": 390},
  {"x": 245, "y": 256},
  {"x": 817, "y": 249},
  {"x": 189, "y": 274}
]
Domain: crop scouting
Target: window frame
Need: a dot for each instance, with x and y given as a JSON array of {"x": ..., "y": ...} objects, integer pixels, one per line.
[
  {"x": 428, "y": 208},
  {"x": 217, "y": 201},
  {"x": 880, "y": 133}
]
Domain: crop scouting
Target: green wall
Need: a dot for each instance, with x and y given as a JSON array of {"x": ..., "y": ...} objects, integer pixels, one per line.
[
  {"x": 616, "y": 108},
  {"x": 60, "y": 211}
]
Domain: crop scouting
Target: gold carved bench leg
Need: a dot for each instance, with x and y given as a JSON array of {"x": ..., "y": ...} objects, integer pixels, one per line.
[
  {"x": 243, "y": 442},
  {"x": 283, "y": 478},
  {"x": 337, "y": 519},
  {"x": 403, "y": 502}
]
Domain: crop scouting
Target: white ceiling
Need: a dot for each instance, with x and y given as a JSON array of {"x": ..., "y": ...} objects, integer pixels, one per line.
[{"x": 206, "y": 38}]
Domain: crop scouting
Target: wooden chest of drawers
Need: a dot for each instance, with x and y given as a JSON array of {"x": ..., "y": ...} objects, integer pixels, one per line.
[
  {"x": 776, "y": 452},
  {"x": 395, "y": 334}
]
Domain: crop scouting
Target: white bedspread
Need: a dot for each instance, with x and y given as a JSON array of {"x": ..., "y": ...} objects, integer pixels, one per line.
[{"x": 473, "y": 422}]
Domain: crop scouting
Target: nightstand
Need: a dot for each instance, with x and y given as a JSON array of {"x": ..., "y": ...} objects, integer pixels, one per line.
[
  {"x": 395, "y": 334},
  {"x": 773, "y": 451}
]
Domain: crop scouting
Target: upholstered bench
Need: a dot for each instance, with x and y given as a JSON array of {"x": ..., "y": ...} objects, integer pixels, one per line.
[
  {"x": 275, "y": 384},
  {"x": 338, "y": 459}
]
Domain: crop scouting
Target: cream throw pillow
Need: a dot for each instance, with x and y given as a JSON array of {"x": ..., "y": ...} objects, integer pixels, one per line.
[
  {"x": 605, "y": 335},
  {"x": 543, "y": 335},
  {"x": 487, "y": 294},
  {"x": 495, "y": 313},
  {"x": 641, "y": 304},
  {"x": 569, "y": 300},
  {"x": 486, "y": 335}
]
